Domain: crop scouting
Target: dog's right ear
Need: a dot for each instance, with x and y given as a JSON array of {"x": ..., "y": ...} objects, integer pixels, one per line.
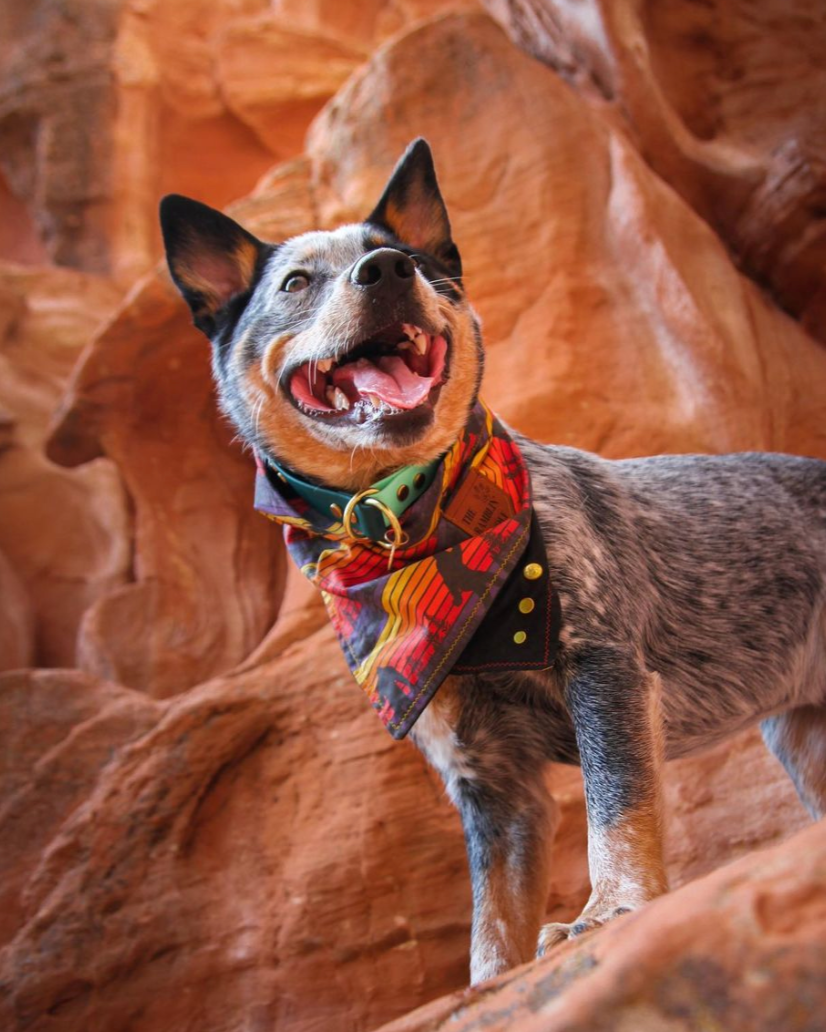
[{"x": 211, "y": 258}]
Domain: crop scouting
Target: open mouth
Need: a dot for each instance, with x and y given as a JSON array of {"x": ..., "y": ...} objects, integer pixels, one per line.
[{"x": 393, "y": 372}]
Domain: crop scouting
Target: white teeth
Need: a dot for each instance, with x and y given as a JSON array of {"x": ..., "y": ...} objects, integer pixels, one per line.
[
  {"x": 417, "y": 339},
  {"x": 325, "y": 365},
  {"x": 337, "y": 398},
  {"x": 374, "y": 401}
]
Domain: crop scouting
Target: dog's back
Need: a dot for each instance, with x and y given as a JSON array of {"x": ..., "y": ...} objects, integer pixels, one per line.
[{"x": 713, "y": 566}]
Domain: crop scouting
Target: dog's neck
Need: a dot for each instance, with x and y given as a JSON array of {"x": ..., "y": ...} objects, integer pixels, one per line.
[
  {"x": 341, "y": 478},
  {"x": 355, "y": 471},
  {"x": 358, "y": 469}
]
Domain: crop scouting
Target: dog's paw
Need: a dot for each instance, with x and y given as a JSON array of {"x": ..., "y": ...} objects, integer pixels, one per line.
[{"x": 553, "y": 934}]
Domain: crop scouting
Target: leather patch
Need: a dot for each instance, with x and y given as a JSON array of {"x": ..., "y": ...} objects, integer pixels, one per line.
[{"x": 478, "y": 505}]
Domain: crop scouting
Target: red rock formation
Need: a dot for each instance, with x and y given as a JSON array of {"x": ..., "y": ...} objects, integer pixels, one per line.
[
  {"x": 65, "y": 534},
  {"x": 105, "y": 106},
  {"x": 726, "y": 101},
  {"x": 204, "y": 826},
  {"x": 16, "y": 620}
]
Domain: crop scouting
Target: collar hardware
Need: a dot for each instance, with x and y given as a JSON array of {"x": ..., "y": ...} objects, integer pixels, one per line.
[
  {"x": 373, "y": 511},
  {"x": 394, "y": 537}
]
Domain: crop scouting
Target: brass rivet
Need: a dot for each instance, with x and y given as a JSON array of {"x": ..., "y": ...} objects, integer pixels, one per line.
[
  {"x": 402, "y": 492},
  {"x": 418, "y": 481},
  {"x": 527, "y": 605},
  {"x": 533, "y": 571},
  {"x": 336, "y": 511},
  {"x": 281, "y": 476},
  {"x": 520, "y": 638}
]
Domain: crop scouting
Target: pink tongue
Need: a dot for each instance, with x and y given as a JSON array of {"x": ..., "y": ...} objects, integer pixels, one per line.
[{"x": 389, "y": 379}]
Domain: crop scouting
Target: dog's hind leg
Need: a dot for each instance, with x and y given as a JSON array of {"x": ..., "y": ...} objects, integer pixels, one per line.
[
  {"x": 491, "y": 756},
  {"x": 615, "y": 707},
  {"x": 798, "y": 739}
]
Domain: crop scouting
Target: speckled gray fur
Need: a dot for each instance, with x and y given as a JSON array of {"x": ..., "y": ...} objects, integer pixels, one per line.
[{"x": 709, "y": 570}]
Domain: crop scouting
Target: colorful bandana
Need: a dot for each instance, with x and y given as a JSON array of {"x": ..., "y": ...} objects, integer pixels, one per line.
[{"x": 405, "y": 626}]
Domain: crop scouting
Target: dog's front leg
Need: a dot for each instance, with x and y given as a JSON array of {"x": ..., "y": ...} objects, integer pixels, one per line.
[
  {"x": 615, "y": 707},
  {"x": 508, "y": 829},
  {"x": 491, "y": 757}
]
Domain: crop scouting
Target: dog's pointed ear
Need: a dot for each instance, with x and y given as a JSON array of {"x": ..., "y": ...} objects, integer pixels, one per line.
[
  {"x": 412, "y": 207},
  {"x": 211, "y": 258}
]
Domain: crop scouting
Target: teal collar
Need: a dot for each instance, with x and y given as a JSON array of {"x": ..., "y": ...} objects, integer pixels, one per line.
[{"x": 394, "y": 493}]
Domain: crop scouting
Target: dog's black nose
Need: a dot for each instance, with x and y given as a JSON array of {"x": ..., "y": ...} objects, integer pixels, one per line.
[{"x": 388, "y": 268}]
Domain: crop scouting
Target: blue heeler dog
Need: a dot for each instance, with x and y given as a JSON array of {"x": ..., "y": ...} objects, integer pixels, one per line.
[{"x": 692, "y": 587}]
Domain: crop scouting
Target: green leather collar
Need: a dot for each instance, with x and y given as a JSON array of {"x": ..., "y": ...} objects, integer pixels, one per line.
[{"x": 395, "y": 492}]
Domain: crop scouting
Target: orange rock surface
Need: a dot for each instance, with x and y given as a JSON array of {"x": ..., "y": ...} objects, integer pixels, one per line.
[
  {"x": 204, "y": 825},
  {"x": 726, "y": 101},
  {"x": 716, "y": 954}
]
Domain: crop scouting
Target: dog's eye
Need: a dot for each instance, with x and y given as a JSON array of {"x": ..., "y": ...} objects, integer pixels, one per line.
[{"x": 296, "y": 281}]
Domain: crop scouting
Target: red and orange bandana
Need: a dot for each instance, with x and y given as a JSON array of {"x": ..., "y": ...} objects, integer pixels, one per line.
[{"x": 466, "y": 591}]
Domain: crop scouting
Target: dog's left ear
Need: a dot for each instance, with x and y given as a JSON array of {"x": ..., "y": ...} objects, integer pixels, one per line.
[
  {"x": 412, "y": 207},
  {"x": 211, "y": 258}
]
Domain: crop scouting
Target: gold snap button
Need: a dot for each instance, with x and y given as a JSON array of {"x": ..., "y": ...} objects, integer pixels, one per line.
[
  {"x": 527, "y": 605},
  {"x": 533, "y": 571},
  {"x": 520, "y": 638},
  {"x": 418, "y": 481},
  {"x": 402, "y": 492},
  {"x": 336, "y": 511}
]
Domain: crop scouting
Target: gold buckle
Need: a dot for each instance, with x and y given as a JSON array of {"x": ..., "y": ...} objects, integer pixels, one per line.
[{"x": 391, "y": 544}]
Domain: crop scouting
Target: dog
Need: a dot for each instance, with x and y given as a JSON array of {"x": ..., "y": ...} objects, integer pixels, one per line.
[{"x": 691, "y": 589}]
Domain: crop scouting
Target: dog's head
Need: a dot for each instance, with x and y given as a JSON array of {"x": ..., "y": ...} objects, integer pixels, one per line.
[{"x": 344, "y": 354}]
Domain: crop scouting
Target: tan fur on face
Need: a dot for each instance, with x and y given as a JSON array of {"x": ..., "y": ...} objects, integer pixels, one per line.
[{"x": 337, "y": 455}]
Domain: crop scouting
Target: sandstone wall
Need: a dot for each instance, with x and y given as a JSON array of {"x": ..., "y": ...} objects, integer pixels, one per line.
[{"x": 204, "y": 826}]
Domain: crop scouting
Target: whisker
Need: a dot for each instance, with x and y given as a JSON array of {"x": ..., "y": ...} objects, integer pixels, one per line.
[{"x": 256, "y": 416}]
